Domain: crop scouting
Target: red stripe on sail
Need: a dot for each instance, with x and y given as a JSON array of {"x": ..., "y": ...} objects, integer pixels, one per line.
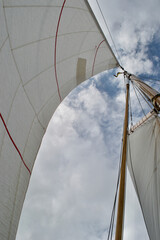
[
  {"x": 96, "y": 56},
  {"x": 55, "y": 50},
  {"x": 14, "y": 144}
]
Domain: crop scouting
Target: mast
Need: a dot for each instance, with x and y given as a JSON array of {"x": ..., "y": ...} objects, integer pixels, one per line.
[
  {"x": 154, "y": 97},
  {"x": 121, "y": 199}
]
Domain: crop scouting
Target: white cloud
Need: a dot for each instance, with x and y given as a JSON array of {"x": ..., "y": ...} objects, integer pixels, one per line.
[
  {"x": 73, "y": 182},
  {"x": 133, "y": 25}
]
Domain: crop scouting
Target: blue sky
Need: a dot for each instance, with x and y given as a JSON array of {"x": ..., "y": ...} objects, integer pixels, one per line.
[{"x": 73, "y": 183}]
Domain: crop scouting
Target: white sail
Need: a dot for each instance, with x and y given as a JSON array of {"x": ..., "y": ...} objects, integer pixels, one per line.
[
  {"x": 47, "y": 47},
  {"x": 144, "y": 167}
]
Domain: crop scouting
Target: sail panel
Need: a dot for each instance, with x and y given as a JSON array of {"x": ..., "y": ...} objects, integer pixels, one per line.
[
  {"x": 41, "y": 42},
  {"x": 144, "y": 167}
]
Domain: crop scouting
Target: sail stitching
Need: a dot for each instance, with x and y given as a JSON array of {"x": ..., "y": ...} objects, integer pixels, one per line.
[
  {"x": 9, "y": 112},
  {"x": 14, "y": 144},
  {"x": 55, "y": 50},
  {"x": 49, "y": 38},
  {"x": 3, "y": 43},
  {"x": 41, "y": 109},
  {"x": 44, "y": 6},
  {"x": 96, "y": 55},
  {"x": 19, "y": 173},
  {"x": 65, "y": 59},
  {"x": 16, "y": 65},
  {"x": 4, "y": 123}
]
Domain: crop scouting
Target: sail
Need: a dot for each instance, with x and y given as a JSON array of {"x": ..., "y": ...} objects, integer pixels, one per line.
[
  {"x": 144, "y": 166},
  {"x": 47, "y": 48}
]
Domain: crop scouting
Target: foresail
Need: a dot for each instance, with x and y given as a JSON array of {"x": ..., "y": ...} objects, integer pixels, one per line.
[
  {"x": 47, "y": 47},
  {"x": 144, "y": 167}
]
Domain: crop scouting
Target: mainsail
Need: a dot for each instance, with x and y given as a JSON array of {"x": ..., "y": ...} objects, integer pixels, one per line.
[
  {"x": 47, "y": 48},
  {"x": 144, "y": 167}
]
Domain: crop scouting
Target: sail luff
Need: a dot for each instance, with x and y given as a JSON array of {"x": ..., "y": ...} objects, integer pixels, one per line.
[
  {"x": 143, "y": 155},
  {"x": 100, "y": 29},
  {"x": 45, "y": 53}
]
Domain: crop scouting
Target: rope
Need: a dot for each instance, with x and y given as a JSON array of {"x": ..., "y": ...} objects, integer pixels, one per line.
[
  {"x": 130, "y": 110},
  {"x": 109, "y": 31},
  {"x": 143, "y": 96},
  {"x": 111, "y": 226},
  {"x": 138, "y": 99}
]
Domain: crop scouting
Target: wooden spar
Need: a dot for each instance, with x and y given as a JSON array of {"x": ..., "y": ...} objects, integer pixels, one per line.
[
  {"x": 121, "y": 199},
  {"x": 142, "y": 121}
]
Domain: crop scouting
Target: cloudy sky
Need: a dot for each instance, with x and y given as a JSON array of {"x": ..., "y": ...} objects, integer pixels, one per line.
[{"x": 73, "y": 184}]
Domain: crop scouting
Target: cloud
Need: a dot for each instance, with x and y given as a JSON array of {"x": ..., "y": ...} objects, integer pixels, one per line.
[
  {"x": 74, "y": 178},
  {"x": 133, "y": 26},
  {"x": 73, "y": 182},
  {"x": 68, "y": 196}
]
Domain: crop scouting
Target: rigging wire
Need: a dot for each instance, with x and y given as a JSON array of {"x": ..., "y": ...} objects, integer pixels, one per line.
[
  {"x": 130, "y": 109},
  {"x": 100, "y": 9},
  {"x": 143, "y": 96},
  {"x": 138, "y": 99},
  {"x": 111, "y": 226}
]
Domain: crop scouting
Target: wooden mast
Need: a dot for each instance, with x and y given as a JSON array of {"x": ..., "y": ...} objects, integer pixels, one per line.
[
  {"x": 121, "y": 199},
  {"x": 154, "y": 97}
]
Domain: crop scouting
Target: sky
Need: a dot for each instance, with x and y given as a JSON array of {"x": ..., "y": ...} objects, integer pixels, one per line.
[{"x": 73, "y": 183}]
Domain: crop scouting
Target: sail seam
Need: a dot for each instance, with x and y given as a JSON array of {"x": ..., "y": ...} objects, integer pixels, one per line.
[
  {"x": 53, "y": 95},
  {"x": 45, "y": 6},
  {"x": 16, "y": 65},
  {"x": 55, "y": 50},
  {"x": 14, "y": 144},
  {"x": 59, "y": 62},
  {"x": 49, "y": 38},
  {"x": 3, "y": 43}
]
